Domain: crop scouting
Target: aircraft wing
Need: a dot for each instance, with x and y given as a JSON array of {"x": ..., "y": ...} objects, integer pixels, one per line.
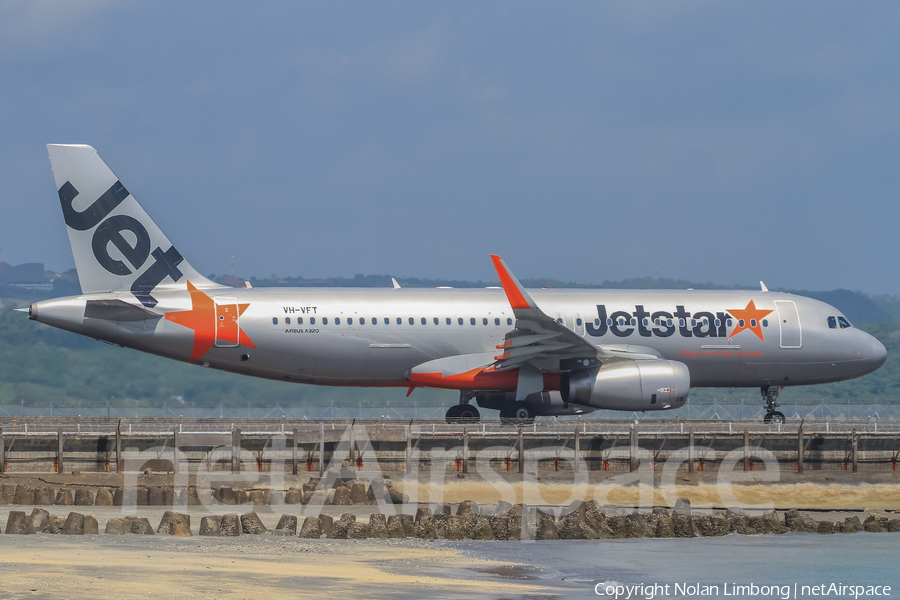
[{"x": 540, "y": 341}]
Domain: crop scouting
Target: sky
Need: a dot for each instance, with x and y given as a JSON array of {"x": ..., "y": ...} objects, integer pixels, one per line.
[{"x": 727, "y": 142}]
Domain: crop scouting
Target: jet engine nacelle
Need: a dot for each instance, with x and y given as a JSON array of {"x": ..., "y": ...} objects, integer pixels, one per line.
[{"x": 629, "y": 385}]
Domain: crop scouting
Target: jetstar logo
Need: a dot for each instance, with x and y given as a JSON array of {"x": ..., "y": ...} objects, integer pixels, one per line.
[
  {"x": 211, "y": 323},
  {"x": 661, "y": 323}
]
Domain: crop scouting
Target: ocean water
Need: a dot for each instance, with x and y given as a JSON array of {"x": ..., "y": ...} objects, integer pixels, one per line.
[{"x": 779, "y": 566}]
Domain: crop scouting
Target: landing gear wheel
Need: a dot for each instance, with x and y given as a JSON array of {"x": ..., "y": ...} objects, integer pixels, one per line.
[
  {"x": 773, "y": 417},
  {"x": 467, "y": 413},
  {"x": 453, "y": 414},
  {"x": 520, "y": 413}
]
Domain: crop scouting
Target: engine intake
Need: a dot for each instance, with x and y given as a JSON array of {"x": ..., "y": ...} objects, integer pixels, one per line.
[{"x": 629, "y": 385}]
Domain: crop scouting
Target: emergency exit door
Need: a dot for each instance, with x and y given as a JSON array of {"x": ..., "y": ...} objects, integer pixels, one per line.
[{"x": 789, "y": 322}]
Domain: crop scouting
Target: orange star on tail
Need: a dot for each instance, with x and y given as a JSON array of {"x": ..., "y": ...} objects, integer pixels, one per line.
[
  {"x": 749, "y": 318},
  {"x": 202, "y": 320}
]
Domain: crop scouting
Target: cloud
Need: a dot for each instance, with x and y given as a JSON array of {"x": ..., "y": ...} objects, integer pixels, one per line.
[{"x": 47, "y": 22}]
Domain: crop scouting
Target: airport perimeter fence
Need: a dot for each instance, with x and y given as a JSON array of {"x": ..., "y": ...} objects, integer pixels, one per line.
[{"x": 715, "y": 410}]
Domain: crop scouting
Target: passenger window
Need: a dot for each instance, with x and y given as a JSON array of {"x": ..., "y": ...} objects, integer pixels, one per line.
[
  {"x": 472, "y": 321},
  {"x": 274, "y": 320},
  {"x": 436, "y": 321},
  {"x": 832, "y": 323},
  {"x": 324, "y": 320},
  {"x": 337, "y": 320},
  {"x": 362, "y": 320},
  {"x": 578, "y": 322},
  {"x": 496, "y": 321},
  {"x": 740, "y": 322},
  {"x": 448, "y": 320},
  {"x": 460, "y": 320},
  {"x": 299, "y": 320},
  {"x": 633, "y": 321},
  {"x": 681, "y": 322},
  {"x": 387, "y": 321},
  {"x": 693, "y": 322},
  {"x": 765, "y": 322},
  {"x": 844, "y": 323},
  {"x": 646, "y": 321},
  {"x": 509, "y": 321},
  {"x": 287, "y": 320},
  {"x": 668, "y": 322},
  {"x": 597, "y": 323},
  {"x": 349, "y": 320},
  {"x": 559, "y": 320},
  {"x": 752, "y": 322},
  {"x": 399, "y": 321},
  {"x": 484, "y": 321},
  {"x": 609, "y": 322},
  {"x": 412, "y": 321},
  {"x": 424, "y": 321},
  {"x": 729, "y": 322},
  {"x": 717, "y": 322},
  {"x": 312, "y": 320}
]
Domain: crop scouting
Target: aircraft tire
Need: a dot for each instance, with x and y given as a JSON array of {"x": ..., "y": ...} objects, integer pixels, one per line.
[
  {"x": 522, "y": 413},
  {"x": 453, "y": 414},
  {"x": 774, "y": 417},
  {"x": 466, "y": 413}
]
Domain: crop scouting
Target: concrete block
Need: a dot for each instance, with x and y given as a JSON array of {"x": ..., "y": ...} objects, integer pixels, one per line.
[
  {"x": 395, "y": 527},
  {"x": 115, "y": 527},
  {"x": 211, "y": 525},
  {"x": 326, "y": 524},
  {"x": 19, "y": 523},
  {"x": 293, "y": 496},
  {"x": 84, "y": 497},
  {"x": 118, "y": 496},
  {"x": 310, "y": 528},
  {"x": 44, "y": 496},
  {"x": 276, "y": 498},
  {"x": 91, "y": 527},
  {"x": 7, "y": 493},
  {"x": 104, "y": 497},
  {"x": 39, "y": 519},
  {"x": 341, "y": 527},
  {"x": 377, "y": 526},
  {"x": 252, "y": 525},
  {"x": 74, "y": 524},
  {"x": 711, "y": 525},
  {"x": 24, "y": 495},
  {"x": 55, "y": 525},
  {"x": 155, "y": 496},
  {"x": 318, "y": 498},
  {"x": 142, "y": 496},
  {"x": 409, "y": 526},
  {"x": 287, "y": 523},
  {"x": 64, "y": 497},
  {"x": 357, "y": 531},
  {"x": 225, "y": 495},
  {"x": 173, "y": 523},
  {"x": 466, "y": 507},
  {"x": 230, "y": 525},
  {"x": 797, "y": 521},
  {"x": 258, "y": 497},
  {"x": 358, "y": 494}
]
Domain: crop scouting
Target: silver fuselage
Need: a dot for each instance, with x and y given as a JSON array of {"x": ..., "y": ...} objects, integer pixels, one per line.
[{"x": 292, "y": 334}]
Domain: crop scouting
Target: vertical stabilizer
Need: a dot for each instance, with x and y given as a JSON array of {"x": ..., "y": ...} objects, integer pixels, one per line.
[{"x": 117, "y": 246}]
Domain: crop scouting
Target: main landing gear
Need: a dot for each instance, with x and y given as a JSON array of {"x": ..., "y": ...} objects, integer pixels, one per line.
[
  {"x": 770, "y": 395},
  {"x": 517, "y": 413},
  {"x": 463, "y": 412}
]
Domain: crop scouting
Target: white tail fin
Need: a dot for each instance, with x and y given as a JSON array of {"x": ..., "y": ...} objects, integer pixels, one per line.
[{"x": 117, "y": 246}]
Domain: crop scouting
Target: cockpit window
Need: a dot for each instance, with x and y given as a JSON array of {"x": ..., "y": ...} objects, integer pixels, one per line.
[
  {"x": 832, "y": 323},
  {"x": 844, "y": 323}
]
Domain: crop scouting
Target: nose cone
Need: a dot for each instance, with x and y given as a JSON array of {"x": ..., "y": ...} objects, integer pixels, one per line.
[{"x": 876, "y": 354}]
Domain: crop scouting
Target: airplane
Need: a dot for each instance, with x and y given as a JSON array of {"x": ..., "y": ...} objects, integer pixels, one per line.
[{"x": 525, "y": 353}]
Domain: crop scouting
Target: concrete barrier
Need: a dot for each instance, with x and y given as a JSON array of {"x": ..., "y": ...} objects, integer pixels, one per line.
[{"x": 173, "y": 523}]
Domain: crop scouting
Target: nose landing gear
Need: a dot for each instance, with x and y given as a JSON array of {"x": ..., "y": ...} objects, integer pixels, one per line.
[{"x": 770, "y": 395}]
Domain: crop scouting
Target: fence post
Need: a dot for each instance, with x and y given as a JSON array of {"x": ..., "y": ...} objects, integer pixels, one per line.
[
  {"x": 60, "y": 439},
  {"x": 236, "y": 450},
  {"x": 691, "y": 450},
  {"x": 120, "y": 464},
  {"x": 408, "y": 451},
  {"x": 800, "y": 449},
  {"x": 746, "y": 450},
  {"x": 175, "y": 447},
  {"x": 294, "y": 452},
  {"x": 521, "y": 452},
  {"x": 321, "y": 449},
  {"x": 853, "y": 448},
  {"x": 465, "y": 456},
  {"x": 575, "y": 465}
]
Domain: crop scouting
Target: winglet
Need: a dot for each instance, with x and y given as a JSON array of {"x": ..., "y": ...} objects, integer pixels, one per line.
[
  {"x": 396, "y": 285},
  {"x": 518, "y": 297},
  {"x": 763, "y": 286}
]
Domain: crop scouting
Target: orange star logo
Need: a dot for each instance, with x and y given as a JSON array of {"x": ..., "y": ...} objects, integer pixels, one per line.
[
  {"x": 750, "y": 319},
  {"x": 210, "y": 322}
]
